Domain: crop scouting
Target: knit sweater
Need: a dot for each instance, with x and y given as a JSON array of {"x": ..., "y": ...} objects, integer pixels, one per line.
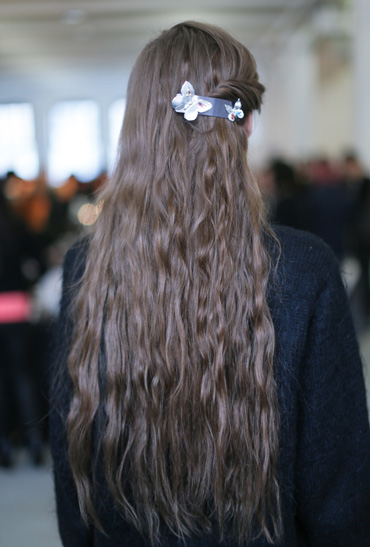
[{"x": 324, "y": 466}]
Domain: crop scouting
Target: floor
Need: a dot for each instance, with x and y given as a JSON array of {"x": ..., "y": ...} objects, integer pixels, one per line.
[{"x": 27, "y": 508}]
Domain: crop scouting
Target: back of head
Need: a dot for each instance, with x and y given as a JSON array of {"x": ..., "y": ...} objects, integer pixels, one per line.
[
  {"x": 175, "y": 293},
  {"x": 217, "y": 66}
]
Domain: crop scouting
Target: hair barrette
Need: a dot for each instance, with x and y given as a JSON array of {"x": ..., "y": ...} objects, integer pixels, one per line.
[
  {"x": 235, "y": 112},
  {"x": 189, "y": 104}
]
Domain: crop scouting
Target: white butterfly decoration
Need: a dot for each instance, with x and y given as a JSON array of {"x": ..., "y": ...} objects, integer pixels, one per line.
[
  {"x": 189, "y": 104},
  {"x": 236, "y": 111}
]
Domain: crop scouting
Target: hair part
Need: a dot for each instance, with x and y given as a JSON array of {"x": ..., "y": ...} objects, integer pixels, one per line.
[{"x": 172, "y": 354}]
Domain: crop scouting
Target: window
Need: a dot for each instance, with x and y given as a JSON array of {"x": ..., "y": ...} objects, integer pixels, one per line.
[
  {"x": 115, "y": 118},
  {"x": 75, "y": 146},
  {"x": 17, "y": 140}
]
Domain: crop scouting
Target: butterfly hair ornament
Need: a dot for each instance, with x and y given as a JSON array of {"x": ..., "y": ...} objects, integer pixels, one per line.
[{"x": 189, "y": 104}]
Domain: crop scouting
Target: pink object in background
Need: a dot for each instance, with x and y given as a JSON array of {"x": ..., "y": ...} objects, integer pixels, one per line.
[{"x": 15, "y": 307}]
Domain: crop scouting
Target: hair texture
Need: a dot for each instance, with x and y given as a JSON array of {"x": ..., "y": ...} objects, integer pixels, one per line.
[{"x": 172, "y": 353}]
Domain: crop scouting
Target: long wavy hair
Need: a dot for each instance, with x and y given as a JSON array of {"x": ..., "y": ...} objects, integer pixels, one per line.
[{"x": 173, "y": 343}]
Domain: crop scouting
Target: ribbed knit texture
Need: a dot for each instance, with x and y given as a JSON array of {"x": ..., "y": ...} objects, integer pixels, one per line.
[{"x": 324, "y": 438}]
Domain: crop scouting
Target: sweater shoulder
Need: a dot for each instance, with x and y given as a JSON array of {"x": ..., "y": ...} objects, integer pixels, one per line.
[
  {"x": 305, "y": 271},
  {"x": 74, "y": 261},
  {"x": 304, "y": 256}
]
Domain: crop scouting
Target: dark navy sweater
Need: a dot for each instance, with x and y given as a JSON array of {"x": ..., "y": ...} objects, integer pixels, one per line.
[{"x": 324, "y": 436}]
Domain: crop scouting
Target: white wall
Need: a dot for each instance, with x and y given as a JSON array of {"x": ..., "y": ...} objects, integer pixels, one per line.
[
  {"x": 334, "y": 128},
  {"x": 361, "y": 63},
  {"x": 290, "y": 99}
]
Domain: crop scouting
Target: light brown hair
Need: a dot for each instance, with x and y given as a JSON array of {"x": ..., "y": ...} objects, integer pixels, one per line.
[{"x": 172, "y": 355}]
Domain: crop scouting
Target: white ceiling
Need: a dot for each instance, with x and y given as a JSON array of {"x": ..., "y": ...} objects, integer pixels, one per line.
[{"x": 51, "y": 35}]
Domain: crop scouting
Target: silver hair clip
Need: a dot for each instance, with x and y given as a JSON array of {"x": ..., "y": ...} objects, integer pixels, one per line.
[
  {"x": 191, "y": 105},
  {"x": 235, "y": 112}
]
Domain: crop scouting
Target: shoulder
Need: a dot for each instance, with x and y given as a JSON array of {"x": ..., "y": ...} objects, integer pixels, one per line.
[
  {"x": 74, "y": 261},
  {"x": 305, "y": 260},
  {"x": 304, "y": 249},
  {"x": 305, "y": 280},
  {"x": 77, "y": 252}
]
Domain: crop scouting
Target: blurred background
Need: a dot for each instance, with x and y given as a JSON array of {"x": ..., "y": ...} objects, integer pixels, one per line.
[{"x": 64, "y": 67}]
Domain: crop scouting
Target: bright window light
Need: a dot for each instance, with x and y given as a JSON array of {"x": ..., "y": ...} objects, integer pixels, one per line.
[
  {"x": 75, "y": 145},
  {"x": 115, "y": 119},
  {"x": 18, "y": 147}
]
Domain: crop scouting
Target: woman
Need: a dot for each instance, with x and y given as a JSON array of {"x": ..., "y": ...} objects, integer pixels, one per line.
[{"x": 208, "y": 389}]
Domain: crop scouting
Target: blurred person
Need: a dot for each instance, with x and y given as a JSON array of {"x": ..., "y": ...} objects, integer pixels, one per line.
[
  {"x": 18, "y": 395},
  {"x": 329, "y": 206},
  {"x": 292, "y": 198},
  {"x": 43, "y": 210},
  {"x": 207, "y": 385},
  {"x": 358, "y": 235}
]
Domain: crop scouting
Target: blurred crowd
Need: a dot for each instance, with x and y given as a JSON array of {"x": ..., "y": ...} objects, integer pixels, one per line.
[
  {"x": 38, "y": 224},
  {"x": 332, "y": 201}
]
